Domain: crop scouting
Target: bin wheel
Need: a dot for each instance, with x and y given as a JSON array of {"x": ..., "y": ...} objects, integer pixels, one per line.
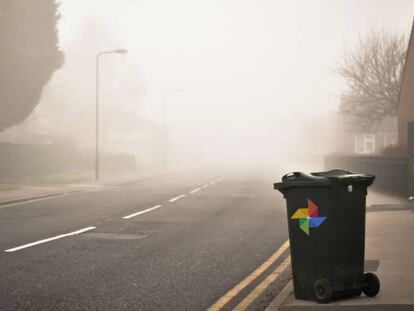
[
  {"x": 322, "y": 290},
  {"x": 356, "y": 292},
  {"x": 371, "y": 284}
]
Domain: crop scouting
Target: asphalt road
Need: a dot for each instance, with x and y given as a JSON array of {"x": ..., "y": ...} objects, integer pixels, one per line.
[{"x": 184, "y": 254}]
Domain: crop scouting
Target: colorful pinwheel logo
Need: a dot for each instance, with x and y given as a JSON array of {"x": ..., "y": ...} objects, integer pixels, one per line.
[{"x": 308, "y": 217}]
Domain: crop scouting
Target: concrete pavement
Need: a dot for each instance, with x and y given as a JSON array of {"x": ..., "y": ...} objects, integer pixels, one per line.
[{"x": 389, "y": 252}]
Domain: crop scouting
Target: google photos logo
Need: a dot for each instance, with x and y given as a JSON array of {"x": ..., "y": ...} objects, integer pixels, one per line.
[{"x": 308, "y": 217}]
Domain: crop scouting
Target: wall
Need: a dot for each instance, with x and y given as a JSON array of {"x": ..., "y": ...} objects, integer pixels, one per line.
[{"x": 390, "y": 172}]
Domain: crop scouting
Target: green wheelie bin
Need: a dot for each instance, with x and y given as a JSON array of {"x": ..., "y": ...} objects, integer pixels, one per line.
[{"x": 326, "y": 221}]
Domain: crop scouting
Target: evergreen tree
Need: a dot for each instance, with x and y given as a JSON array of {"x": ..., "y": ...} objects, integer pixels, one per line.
[{"x": 29, "y": 55}]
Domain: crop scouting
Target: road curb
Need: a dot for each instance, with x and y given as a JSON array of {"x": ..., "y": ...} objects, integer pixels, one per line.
[
  {"x": 362, "y": 307},
  {"x": 131, "y": 182},
  {"x": 38, "y": 197},
  {"x": 61, "y": 193},
  {"x": 281, "y": 297}
]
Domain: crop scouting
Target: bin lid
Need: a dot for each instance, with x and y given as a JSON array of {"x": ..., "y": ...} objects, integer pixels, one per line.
[{"x": 328, "y": 178}]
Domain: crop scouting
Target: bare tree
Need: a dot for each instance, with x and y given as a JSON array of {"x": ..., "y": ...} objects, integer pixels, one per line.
[{"x": 373, "y": 74}]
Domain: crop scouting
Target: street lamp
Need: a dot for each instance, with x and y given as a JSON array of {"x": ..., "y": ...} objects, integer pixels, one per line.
[{"x": 117, "y": 51}]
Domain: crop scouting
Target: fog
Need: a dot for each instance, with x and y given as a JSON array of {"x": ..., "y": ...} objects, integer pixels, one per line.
[{"x": 240, "y": 81}]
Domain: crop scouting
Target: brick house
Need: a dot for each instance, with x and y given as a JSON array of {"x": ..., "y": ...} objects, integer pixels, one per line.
[{"x": 406, "y": 99}]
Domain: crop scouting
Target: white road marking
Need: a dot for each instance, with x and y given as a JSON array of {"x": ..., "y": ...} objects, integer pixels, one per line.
[
  {"x": 204, "y": 186},
  {"x": 178, "y": 197},
  {"x": 195, "y": 190},
  {"x": 49, "y": 239},
  {"x": 142, "y": 212},
  {"x": 213, "y": 182}
]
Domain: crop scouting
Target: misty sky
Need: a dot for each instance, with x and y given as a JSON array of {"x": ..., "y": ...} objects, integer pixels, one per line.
[
  {"x": 248, "y": 69},
  {"x": 238, "y": 51}
]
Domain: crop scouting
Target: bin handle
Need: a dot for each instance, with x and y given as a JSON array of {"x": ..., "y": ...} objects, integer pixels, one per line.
[
  {"x": 290, "y": 175},
  {"x": 340, "y": 170}
]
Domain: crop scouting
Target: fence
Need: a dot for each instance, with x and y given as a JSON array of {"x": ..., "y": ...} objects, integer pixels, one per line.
[
  {"x": 33, "y": 160},
  {"x": 391, "y": 172}
]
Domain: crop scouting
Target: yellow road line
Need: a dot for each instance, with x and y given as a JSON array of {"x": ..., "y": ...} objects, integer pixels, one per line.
[
  {"x": 246, "y": 302},
  {"x": 250, "y": 278}
]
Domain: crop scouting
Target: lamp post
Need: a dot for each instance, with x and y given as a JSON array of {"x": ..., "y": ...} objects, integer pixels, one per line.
[
  {"x": 118, "y": 51},
  {"x": 164, "y": 122}
]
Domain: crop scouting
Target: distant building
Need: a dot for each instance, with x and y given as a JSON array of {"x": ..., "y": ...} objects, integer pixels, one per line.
[
  {"x": 20, "y": 134},
  {"x": 135, "y": 135},
  {"x": 366, "y": 142}
]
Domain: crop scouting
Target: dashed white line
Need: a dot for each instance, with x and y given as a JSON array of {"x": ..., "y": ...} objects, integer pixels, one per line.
[
  {"x": 178, "y": 197},
  {"x": 92, "y": 228},
  {"x": 142, "y": 212},
  {"x": 49, "y": 239}
]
